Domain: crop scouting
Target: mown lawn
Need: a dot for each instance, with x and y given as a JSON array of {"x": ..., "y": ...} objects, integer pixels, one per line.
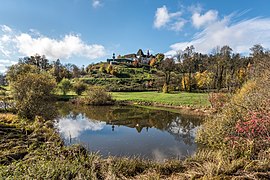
[{"x": 176, "y": 99}]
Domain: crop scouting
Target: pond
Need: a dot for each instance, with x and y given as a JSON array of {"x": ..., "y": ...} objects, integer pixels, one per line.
[{"x": 129, "y": 131}]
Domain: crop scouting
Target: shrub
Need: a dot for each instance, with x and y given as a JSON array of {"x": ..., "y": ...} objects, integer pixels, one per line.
[
  {"x": 251, "y": 134},
  {"x": 96, "y": 96},
  {"x": 65, "y": 85},
  {"x": 165, "y": 88},
  {"x": 242, "y": 126},
  {"x": 32, "y": 93},
  {"x": 218, "y": 100},
  {"x": 79, "y": 87},
  {"x": 153, "y": 71}
]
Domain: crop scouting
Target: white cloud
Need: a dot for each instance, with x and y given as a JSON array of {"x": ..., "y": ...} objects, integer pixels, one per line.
[
  {"x": 177, "y": 26},
  {"x": 195, "y": 8},
  {"x": 4, "y": 63},
  {"x": 199, "y": 20},
  {"x": 69, "y": 127},
  {"x": 5, "y": 40},
  {"x": 13, "y": 43},
  {"x": 163, "y": 18},
  {"x": 96, "y": 3},
  {"x": 4, "y": 51},
  {"x": 70, "y": 45},
  {"x": 34, "y": 32},
  {"x": 240, "y": 36},
  {"x": 6, "y": 29}
]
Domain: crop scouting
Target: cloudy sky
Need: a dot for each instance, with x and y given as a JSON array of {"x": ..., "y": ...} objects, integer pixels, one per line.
[{"x": 87, "y": 31}]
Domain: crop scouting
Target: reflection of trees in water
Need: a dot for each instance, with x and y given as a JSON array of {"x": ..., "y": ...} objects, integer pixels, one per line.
[{"x": 178, "y": 125}]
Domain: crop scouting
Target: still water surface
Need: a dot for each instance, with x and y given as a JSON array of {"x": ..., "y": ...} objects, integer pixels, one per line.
[{"x": 129, "y": 131}]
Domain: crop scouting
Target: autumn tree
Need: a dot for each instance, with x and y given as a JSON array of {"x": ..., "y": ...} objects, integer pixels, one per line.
[
  {"x": 58, "y": 70},
  {"x": 65, "y": 85},
  {"x": 204, "y": 79},
  {"x": 167, "y": 66},
  {"x": 220, "y": 60},
  {"x": 257, "y": 54},
  {"x": 160, "y": 57},
  {"x": 225, "y": 56},
  {"x": 188, "y": 66},
  {"x": 153, "y": 62},
  {"x": 102, "y": 69},
  {"x": 37, "y": 60},
  {"x": 79, "y": 87},
  {"x": 109, "y": 69},
  {"x": 32, "y": 91},
  {"x": 17, "y": 70},
  {"x": 72, "y": 71},
  {"x": 257, "y": 50}
]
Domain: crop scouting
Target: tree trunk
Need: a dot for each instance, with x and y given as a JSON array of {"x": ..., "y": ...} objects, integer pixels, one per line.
[
  {"x": 165, "y": 88},
  {"x": 189, "y": 79},
  {"x": 220, "y": 78}
]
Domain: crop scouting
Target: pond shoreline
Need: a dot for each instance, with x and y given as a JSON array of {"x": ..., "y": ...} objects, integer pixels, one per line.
[
  {"x": 194, "y": 103},
  {"x": 182, "y": 109},
  {"x": 185, "y": 109}
]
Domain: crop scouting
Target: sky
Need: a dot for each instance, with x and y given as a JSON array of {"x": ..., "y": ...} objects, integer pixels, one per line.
[{"x": 89, "y": 31}]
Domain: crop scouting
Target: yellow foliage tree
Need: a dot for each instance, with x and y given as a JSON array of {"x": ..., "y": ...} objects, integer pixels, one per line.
[
  {"x": 153, "y": 62},
  {"x": 204, "y": 79},
  {"x": 241, "y": 75},
  {"x": 109, "y": 69},
  {"x": 185, "y": 83}
]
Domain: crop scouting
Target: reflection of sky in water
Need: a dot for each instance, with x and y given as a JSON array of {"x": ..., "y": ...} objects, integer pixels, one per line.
[
  {"x": 161, "y": 154},
  {"x": 175, "y": 128},
  {"x": 72, "y": 127}
]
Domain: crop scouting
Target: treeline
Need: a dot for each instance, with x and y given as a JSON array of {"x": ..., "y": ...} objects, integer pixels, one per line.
[
  {"x": 222, "y": 69},
  {"x": 55, "y": 68},
  {"x": 186, "y": 71}
]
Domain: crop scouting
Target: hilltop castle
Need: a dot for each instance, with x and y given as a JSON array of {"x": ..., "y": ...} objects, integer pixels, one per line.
[{"x": 130, "y": 58}]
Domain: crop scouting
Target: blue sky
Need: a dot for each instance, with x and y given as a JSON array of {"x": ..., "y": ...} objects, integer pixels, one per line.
[{"x": 86, "y": 31}]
